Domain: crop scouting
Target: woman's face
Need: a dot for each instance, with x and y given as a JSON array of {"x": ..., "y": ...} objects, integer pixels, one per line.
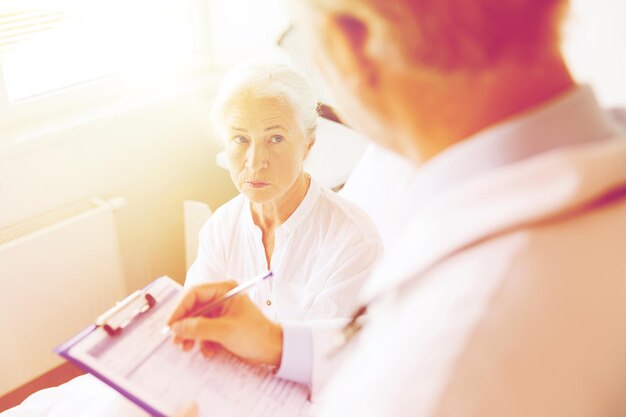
[{"x": 266, "y": 147}]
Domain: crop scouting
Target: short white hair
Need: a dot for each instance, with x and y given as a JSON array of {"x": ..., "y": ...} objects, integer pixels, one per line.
[{"x": 268, "y": 79}]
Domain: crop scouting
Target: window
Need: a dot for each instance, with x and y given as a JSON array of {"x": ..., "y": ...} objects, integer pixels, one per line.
[{"x": 49, "y": 45}]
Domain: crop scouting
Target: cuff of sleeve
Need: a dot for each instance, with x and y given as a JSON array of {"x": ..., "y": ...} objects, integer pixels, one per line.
[{"x": 297, "y": 360}]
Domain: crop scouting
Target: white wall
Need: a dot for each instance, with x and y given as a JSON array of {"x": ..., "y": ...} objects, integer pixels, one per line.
[
  {"x": 595, "y": 47},
  {"x": 155, "y": 156}
]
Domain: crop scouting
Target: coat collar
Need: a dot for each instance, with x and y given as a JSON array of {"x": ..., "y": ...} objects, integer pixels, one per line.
[
  {"x": 572, "y": 118},
  {"x": 503, "y": 194}
]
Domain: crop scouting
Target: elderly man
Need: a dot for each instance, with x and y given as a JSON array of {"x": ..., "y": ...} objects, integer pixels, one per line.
[{"x": 507, "y": 296}]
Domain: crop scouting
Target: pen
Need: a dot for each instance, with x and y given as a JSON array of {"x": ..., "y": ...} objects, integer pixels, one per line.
[{"x": 239, "y": 289}]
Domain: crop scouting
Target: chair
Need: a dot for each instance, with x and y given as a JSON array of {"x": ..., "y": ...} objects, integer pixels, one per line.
[{"x": 195, "y": 214}]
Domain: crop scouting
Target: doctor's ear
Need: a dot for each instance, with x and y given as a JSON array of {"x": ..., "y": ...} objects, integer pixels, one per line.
[{"x": 348, "y": 43}]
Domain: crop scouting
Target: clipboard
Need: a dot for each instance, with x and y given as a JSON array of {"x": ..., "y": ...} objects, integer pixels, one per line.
[{"x": 126, "y": 349}]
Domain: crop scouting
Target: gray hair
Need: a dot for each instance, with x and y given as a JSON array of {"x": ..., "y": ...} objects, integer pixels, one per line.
[{"x": 268, "y": 79}]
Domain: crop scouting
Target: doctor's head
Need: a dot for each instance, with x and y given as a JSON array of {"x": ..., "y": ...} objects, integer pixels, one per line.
[
  {"x": 397, "y": 68},
  {"x": 266, "y": 113}
]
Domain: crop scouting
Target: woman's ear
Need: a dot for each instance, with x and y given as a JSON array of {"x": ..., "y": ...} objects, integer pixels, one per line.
[{"x": 309, "y": 147}]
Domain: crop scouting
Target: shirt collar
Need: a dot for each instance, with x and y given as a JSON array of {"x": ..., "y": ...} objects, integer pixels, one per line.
[
  {"x": 572, "y": 118},
  {"x": 298, "y": 216},
  {"x": 303, "y": 210}
]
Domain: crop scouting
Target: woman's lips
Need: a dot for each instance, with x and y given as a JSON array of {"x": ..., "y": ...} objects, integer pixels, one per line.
[{"x": 257, "y": 184}]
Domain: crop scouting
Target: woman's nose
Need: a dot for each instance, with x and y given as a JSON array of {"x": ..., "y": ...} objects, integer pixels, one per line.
[{"x": 256, "y": 157}]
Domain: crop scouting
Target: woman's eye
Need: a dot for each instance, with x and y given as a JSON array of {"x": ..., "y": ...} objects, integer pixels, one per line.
[
  {"x": 240, "y": 139},
  {"x": 277, "y": 139}
]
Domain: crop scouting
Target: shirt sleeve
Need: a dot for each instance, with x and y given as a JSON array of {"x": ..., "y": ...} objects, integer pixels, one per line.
[
  {"x": 307, "y": 348},
  {"x": 297, "y": 360},
  {"x": 210, "y": 262}
]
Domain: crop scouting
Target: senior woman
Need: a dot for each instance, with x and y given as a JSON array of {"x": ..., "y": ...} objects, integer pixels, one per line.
[{"x": 319, "y": 246}]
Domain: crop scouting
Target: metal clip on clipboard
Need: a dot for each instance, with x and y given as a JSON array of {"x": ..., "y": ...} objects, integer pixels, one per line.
[{"x": 124, "y": 312}]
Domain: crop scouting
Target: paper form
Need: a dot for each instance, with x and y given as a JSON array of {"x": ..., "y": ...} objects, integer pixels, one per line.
[{"x": 143, "y": 362}]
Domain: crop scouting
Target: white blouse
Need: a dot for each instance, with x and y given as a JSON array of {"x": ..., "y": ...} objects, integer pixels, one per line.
[{"x": 322, "y": 255}]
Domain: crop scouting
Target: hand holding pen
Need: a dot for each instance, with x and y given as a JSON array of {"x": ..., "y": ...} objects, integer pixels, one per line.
[{"x": 236, "y": 323}]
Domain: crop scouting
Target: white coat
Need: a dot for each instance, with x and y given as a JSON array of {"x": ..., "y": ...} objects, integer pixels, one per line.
[{"x": 506, "y": 298}]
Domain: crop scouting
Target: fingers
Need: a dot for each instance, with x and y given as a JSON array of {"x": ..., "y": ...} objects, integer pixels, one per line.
[
  {"x": 190, "y": 410},
  {"x": 185, "y": 344},
  {"x": 212, "y": 330},
  {"x": 186, "y": 304},
  {"x": 200, "y": 294},
  {"x": 188, "y": 344},
  {"x": 209, "y": 349}
]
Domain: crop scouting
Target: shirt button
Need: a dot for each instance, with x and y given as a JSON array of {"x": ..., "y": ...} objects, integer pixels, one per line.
[{"x": 268, "y": 302}]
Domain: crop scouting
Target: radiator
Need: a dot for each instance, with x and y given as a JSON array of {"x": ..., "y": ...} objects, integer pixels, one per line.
[{"x": 58, "y": 272}]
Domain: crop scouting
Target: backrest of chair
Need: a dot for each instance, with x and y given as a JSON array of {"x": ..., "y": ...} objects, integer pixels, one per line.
[{"x": 195, "y": 215}]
